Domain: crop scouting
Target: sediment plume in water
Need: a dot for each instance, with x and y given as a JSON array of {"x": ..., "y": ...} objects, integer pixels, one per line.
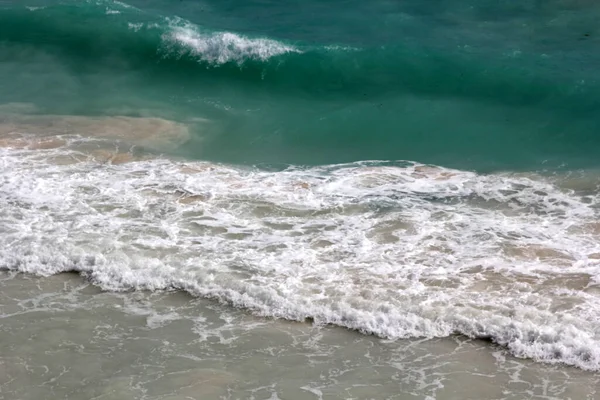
[{"x": 48, "y": 130}]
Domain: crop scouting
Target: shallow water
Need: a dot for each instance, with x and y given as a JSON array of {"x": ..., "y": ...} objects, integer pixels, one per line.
[
  {"x": 65, "y": 338},
  {"x": 415, "y": 185},
  {"x": 471, "y": 85},
  {"x": 398, "y": 250}
]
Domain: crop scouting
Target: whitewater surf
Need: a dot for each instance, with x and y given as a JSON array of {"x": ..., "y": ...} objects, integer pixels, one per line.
[{"x": 393, "y": 200}]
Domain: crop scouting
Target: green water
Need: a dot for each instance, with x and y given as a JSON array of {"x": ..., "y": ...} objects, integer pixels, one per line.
[
  {"x": 293, "y": 185},
  {"x": 474, "y": 85}
]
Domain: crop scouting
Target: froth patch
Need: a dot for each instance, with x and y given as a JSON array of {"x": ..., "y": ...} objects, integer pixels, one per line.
[{"x": 396, "y": 251}]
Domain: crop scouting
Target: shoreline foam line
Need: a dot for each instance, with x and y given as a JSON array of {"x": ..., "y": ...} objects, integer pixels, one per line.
[{"x": 396, "y": 251}]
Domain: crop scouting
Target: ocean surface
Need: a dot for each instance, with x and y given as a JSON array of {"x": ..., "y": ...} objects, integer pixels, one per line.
[{"x": 394, "y": 199}]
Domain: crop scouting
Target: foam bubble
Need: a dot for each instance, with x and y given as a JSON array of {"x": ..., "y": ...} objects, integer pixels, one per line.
[
  {"x": 135, "y": 26},
  {"x": 403, "y": 250}
]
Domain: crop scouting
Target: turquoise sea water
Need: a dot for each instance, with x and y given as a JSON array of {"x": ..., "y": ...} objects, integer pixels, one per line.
[
  {"x": 403, "y": 170},
  {"x": 477, "y": 85}
]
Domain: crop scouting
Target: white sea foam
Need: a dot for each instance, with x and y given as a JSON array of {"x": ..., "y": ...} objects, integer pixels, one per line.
[
  {"x": 341, "y": 48},
  {"x": 397, "y": 251},
  {"x": 221, "y": 47},
  {"x": 112, "y": 4},
  {"x": 135, "y": 27}
]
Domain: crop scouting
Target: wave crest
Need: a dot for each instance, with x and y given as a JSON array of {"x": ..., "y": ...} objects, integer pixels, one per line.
[{"x": 221, "y": 47}]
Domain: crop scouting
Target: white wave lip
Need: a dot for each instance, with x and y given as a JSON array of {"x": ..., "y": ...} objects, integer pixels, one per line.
[
  {"x": 222, "y": 47},
  {"x": 407, "y": 251}
]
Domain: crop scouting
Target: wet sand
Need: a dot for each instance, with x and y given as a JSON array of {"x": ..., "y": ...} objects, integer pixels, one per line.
[{"x": 63, "y": 338}]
